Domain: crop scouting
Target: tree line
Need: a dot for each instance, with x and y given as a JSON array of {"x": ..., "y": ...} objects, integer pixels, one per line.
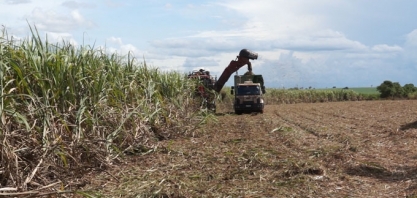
[{"x": 389, "y": 89}]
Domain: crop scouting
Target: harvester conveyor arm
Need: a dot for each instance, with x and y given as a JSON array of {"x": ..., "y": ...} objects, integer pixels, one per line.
[{"x": 233, "y": 67}]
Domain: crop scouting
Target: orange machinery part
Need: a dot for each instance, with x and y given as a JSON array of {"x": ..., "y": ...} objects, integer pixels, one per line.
[{"x": 233, "y": 67}]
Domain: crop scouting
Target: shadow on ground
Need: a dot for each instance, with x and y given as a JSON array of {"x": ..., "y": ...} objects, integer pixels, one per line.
[
  {"x": 224, "y": 113},
  {"x": 401, "y": 174},
  {"x": 412, "y": 125},
  {"x": 233, "y": 113}
]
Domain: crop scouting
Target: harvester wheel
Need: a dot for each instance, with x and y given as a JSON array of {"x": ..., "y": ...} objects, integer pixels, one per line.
[{"x": 212, "y": 107}]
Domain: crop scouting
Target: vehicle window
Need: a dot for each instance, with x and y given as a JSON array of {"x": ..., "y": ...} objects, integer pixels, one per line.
[{"x": 248, "y": 90}]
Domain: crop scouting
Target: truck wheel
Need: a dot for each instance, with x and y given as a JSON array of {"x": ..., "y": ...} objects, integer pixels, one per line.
[
  {"x": 238, "y": 112},
  {"x": 261, "y": 111}
]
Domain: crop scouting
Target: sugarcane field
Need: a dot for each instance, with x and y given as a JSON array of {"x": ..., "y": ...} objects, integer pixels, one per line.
[{"x": 79, "y": 122}]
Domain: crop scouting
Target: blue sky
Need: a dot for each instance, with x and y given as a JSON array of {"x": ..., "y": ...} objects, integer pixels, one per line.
[{"x": 320, "y": 43}]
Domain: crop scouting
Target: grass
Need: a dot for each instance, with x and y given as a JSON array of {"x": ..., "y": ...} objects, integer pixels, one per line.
[
  {"x": 365, "y": 90},
  {"x": 64, "y": 108},
  {"x": 360, "y": 90},
  {"x": 291, "y": 96},
  {"x": 280, "y": 96}
]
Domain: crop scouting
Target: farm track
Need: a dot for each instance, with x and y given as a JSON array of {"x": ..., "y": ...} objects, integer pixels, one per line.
[{"x": 339, "y": 149}]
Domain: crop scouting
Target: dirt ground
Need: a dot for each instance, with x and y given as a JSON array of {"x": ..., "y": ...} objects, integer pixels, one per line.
[{"x": 339, "y": 149}]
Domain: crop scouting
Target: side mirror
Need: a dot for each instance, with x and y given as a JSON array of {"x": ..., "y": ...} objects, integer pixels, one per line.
[{"x": 232, "y": 90}]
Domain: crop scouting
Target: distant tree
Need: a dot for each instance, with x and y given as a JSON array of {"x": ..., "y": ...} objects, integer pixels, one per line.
[
  {"x": 390, "y": 89},
  {"x": 334, "y": 87},
  {"x": 385, "y": 89},
  {"x": 408, "y": 89},
  {"x": 398, "y": 90}
]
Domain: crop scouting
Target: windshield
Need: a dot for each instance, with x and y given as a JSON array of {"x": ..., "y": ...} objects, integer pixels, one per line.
[{"x": 248, "y": 90}]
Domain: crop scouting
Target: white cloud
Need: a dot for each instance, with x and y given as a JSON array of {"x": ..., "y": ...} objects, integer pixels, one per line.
[
  {"x": 115, "y": 40},
  {"x": 114, "y": 4},
  {"x": 268, "y": 25},
  {"x": 120, "y": 50},
  {"x": 129, "y": 48},
  {"x": 77, "y": 5},
  {"x": 297, "y": 43},
  {"x": 49, "y": 20},
  {"x": 79, "y": 19},
  {"x": 61, "y": 37},
  {"x": 411, "y": 47},
  {"x": 200, "y": 62},
  {"x": 310, "y": 42},
  {"x": 17, "y": 1},
  {"x": 285, "y": 18},
  {"x": 387, "y": 49},
  {"x": 411, "y": 38},
  {"x": 116, "y": 45},
  {"x": 168, "y": 6}
]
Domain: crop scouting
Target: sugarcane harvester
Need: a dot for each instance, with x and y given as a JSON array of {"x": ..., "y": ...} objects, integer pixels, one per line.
[{"x": 249, "y": 87}]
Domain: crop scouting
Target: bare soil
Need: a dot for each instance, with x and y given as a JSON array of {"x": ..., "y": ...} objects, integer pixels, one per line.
[{"x": 339, "y": 149}]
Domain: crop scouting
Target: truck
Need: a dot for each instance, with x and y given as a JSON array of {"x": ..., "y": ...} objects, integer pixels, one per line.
[
  {"x": 248, "y": 91},
  {"x": 209, "y": 83}
]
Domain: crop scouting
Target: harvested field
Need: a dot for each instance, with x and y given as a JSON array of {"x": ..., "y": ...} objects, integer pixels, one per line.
[{"x": 338, "y": 149}]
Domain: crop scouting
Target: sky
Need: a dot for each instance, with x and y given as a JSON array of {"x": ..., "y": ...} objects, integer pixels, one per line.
[{"x": 300, "y": 43}]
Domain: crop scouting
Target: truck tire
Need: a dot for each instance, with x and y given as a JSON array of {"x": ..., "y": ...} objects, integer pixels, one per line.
[{"x": 238, "y": 112}]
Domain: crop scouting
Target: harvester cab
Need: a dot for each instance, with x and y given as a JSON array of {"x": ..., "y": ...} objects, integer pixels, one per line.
[{"x": 205, "y": 87}]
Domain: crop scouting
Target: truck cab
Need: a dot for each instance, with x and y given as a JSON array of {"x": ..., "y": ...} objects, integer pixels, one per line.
[{"x": 248, "y": 92}]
